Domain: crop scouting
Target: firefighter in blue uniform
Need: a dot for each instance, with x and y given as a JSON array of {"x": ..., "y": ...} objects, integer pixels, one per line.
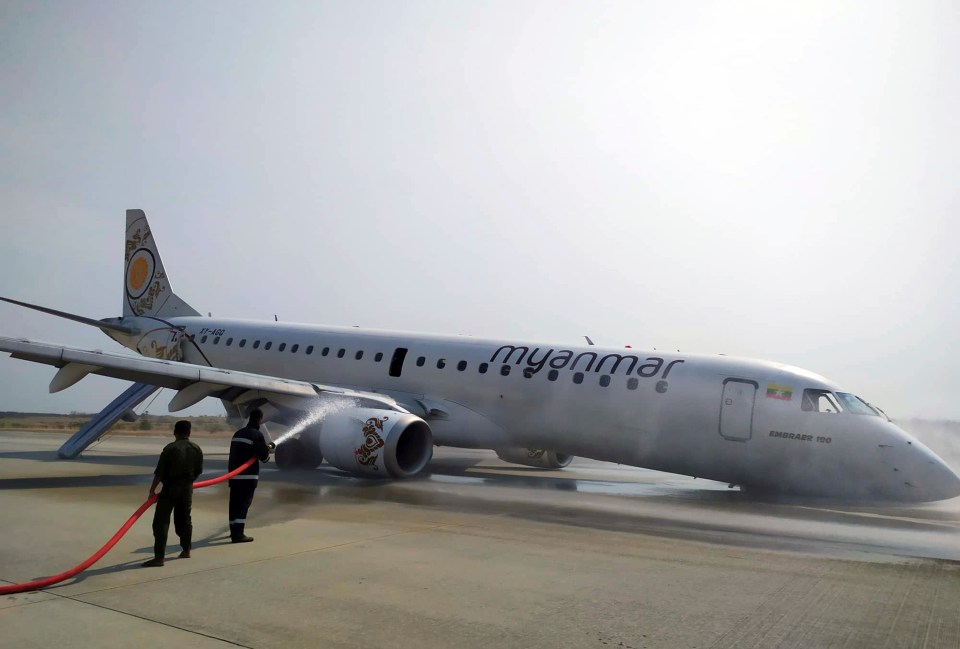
[
  {"x": 179, "y": 465},
  {"x": 248, "y": 442}
]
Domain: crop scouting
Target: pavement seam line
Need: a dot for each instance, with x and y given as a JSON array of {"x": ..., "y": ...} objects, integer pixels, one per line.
[
  {"x": 40, "y": 601},
  {"x": 74, "y": 598},
  {"x": 263, "y": 560}
]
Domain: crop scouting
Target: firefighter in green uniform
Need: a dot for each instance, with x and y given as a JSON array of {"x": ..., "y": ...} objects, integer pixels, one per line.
[{"x": 179, "y": 465}]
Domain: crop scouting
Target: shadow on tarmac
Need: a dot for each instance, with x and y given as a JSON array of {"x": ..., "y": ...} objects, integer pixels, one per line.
[{"x": 214, "y": 539}]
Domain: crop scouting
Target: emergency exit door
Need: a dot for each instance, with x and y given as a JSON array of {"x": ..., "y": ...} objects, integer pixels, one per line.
[
  {"x": 736, "y": 409},
  {"x": 396, "y": 363}
]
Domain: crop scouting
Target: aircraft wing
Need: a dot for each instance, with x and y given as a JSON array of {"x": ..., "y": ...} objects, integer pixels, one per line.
[{"x": 192, "y": 382}]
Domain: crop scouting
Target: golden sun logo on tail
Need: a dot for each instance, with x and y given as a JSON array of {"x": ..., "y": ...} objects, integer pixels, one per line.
[
  {"x": 144, "y": 283},
  {"x": 140, "y": 272}
]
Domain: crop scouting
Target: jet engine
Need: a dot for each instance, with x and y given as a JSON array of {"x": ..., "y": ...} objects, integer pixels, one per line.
[
  {"x": 298, "y": 453},
  {"x": 376, "y": 443},
  {"x": 534, "y": 457}
]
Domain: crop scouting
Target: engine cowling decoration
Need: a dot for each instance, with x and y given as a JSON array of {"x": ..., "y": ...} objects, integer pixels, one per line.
[
  {"x": 372, "y": 441},
  {"x": 376, "y": 443}
]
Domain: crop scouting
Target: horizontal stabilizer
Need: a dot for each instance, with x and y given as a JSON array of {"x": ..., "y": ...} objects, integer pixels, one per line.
[{"x": 71, "y": 316}]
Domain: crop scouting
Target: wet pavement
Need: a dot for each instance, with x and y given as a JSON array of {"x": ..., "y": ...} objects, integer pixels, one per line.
[{"x": 476, "y": 552}]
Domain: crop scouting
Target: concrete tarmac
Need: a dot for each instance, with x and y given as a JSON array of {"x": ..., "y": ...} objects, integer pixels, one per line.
[{"x": 477, "y": 553}]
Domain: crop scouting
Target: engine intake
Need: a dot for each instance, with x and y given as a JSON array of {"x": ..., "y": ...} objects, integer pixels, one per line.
[
  {"x": 534, "y": 457},
  {"x": 377, "y": 443}
]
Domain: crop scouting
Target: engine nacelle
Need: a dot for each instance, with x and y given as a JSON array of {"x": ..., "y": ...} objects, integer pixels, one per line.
[
  {"x": 376, "y": 443},
  {"x": 534, "y": 457}
]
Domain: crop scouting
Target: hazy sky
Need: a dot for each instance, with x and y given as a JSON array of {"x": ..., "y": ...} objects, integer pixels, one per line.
[{"x": 774, "y": 180}]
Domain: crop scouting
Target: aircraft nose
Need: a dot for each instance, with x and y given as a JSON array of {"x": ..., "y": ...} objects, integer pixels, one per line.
[{"x": 930, "y": 478}]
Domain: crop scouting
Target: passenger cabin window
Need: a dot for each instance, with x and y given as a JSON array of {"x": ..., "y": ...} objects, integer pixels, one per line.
[
  {"x": 268, "y": 344},
  {"x": 604, "y": 380},
  {"x": 282, "y": 347},
  {"x": 462, "y": 365},
  {"x": 341, "y": 352},
  {"x": 229, "y": 341},
  {"x": 421, "y": 361},
  {"x": 578, "y": 378},
  {"x": 504, "y": 370},
  {"x": 359, "y": 355},
  {"x": 309, "y": 349},
  {"x": 256, "y": 344},
  {"x": 204, "y": 339},
  {"x": 243, "y": 342},
  {"x": 552, "y": 375},
  {"x": 293, "y": 350},
  {"x": 482, "y": 368},
  {"x": 216, "y": 341},
  {"x": 819, "y": 401},
  {"x": 528, "y": 372},
  {"x": 632, "y": 383},
  {"x": 442, "y": 363},
  {"x": 326, "y": 350},
  {"x": 378, "y": 357}
]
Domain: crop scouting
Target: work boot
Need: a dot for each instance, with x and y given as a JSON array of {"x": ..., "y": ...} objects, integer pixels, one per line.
[
  {"x": 185, "y": 554},
  {"x": 237, "y": 535},
  {"x": 156, "y": 562}
]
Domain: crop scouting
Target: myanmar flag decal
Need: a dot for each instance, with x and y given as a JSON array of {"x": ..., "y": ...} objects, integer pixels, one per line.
[{"x": 782, "y": 392}]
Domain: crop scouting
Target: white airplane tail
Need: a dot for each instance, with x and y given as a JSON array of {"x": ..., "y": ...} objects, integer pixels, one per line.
[{"x": 146, "y": 288}]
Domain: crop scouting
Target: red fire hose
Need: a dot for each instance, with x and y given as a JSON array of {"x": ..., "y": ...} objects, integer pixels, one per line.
[{"x": 49, "y": 581}]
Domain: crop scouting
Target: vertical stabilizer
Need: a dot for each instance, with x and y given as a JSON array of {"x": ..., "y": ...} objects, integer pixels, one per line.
[{"x": 146, "y": 287}]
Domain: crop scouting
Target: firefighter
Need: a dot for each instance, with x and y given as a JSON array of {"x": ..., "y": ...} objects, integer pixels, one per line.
[
  {"x": 248, "y": 442},
  {"x": 179, "y": 465}
]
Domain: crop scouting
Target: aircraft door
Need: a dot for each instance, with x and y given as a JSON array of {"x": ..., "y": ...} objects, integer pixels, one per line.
[
  {"x": 736, "y": 409},
  {"x": 396, "y": 363}
]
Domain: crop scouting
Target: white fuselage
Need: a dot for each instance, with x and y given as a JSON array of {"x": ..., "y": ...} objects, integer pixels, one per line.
[{"x": 698, "y": 415}]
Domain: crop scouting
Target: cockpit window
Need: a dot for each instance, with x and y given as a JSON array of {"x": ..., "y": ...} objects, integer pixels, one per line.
[
  {"x": 819, "y": 401},
  {"x": 880, "y": 410},
  {"x": 854, "y": 404}
]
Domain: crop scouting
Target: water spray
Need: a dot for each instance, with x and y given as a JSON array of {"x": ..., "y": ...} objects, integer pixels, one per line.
[{"x": 314, "y": 416}]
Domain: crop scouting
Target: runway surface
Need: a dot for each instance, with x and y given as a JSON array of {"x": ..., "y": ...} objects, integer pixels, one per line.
[{"x": 477, "y": 553}]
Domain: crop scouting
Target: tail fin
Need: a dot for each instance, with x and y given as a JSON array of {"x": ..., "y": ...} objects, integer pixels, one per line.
[{"x": 146, "y": 288}]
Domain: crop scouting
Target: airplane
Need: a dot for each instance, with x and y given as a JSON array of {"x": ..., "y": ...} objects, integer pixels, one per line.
[{"x": 374, "y": 403}]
